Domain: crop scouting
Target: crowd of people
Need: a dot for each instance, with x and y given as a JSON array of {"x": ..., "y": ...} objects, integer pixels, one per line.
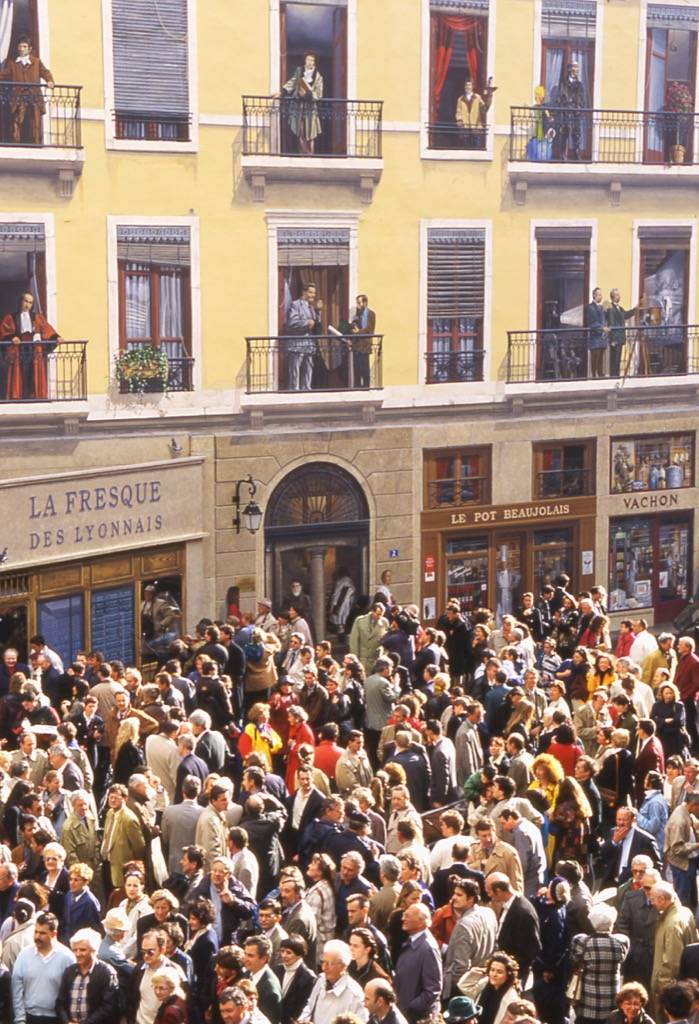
[{"x": 473, "y": 821}]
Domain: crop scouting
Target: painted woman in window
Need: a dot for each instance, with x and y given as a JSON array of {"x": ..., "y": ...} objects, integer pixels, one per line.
[
  {"x": 305, "y": 89},
  {"x": 23, "y": 335}
]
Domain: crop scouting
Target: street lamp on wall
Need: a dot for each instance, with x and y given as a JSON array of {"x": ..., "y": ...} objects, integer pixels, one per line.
[{"x": 251, "y": 516}]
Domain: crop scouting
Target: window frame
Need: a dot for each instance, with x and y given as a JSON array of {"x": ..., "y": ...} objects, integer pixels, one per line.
[
  {"x": 154, "y": 272},
  {"x": 150, "y": 145},
  {"x": 426, "y": 153},
  {"x": 430, "y": 457},
  {"x": 539, "y": 448},
  {"x": 194, "y": 300}
]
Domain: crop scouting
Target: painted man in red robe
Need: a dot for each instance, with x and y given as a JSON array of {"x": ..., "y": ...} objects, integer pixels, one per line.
[{"x": 23, "y": 355}]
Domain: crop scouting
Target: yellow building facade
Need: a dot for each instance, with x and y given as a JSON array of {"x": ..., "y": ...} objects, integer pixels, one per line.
[{"x": 188, "y": 177}]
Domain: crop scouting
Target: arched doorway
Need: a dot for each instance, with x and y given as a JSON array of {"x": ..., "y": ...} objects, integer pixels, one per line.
[{"x": 316, "y": 526}]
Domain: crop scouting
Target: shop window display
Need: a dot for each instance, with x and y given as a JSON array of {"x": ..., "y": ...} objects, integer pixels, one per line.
[
  {"x": 648, "y": 560},
  {"x": 663, "y": 462}
]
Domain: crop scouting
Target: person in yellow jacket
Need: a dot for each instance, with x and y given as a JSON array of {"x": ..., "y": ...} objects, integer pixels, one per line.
[{"x": 259, "y": 736}]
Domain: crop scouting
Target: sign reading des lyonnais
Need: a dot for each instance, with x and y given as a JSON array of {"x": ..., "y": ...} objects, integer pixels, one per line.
[
  {"x": 520, "y": 514},
  {"x": 70, "y": 515}
]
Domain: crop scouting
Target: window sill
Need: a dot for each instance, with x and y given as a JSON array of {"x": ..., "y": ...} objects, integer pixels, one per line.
[{"x": 363, "y": 172}]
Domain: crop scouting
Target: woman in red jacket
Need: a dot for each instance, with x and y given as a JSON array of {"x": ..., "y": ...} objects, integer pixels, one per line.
[{"x": 299, "y": 732}]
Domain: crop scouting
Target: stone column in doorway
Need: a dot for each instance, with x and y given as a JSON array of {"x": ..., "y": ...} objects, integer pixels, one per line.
[{"x": 318, "y": 592}]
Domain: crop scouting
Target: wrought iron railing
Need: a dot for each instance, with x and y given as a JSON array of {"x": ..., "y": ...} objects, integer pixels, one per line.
[
  {"x": 468, "y": 490},
  {"x": 568, "y": 353},
  {"x": 279, "y": 126},
  {"x": 563, "y": 483},
  {"x": 454, "y": 367},
  {"x": 561, "y": 134},
  {"x": 292, "y": 363},
  {"x": 151, "y": 126},
  {"x": 43, "y": 371},
  {"x": 449, "y": 135},
  {"x": 40, "y": 115}
]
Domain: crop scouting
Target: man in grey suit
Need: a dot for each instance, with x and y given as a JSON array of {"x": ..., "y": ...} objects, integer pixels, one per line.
[
  {"x": 442, "y": 757},
  {"x": 418, "y": 974},
  {"x": 474, "y": 936},
  {"x": 179, "y": 824},
  {"x": 298, "y": 918},
  {"x": 380, "y": 695},
  {"x": 527, "y": 841}
]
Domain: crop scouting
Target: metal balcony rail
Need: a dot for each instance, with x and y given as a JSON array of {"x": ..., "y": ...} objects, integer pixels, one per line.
[
  {"x": 151, "y": 126},
  {"x": 468, "y": 490},
  {"x": 563, "y": 483},
  {"x": 350, "y": 128},
  {"x": 291, "y": 363},
  {"x": 565, "y": 354},
  {"x": 39, "y": 116},
  {"x": 454, "y": 367},
  {"x": 449, "y": 135},
  {"x": 549, "y": 134},
  {"x": 47, "y": 371}
]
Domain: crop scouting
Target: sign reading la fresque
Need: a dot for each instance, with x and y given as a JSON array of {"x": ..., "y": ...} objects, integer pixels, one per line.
[{"x": 75, "y": 514}]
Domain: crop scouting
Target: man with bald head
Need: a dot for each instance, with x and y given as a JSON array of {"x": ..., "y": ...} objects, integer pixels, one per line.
[{"x": 518, "y": 923}]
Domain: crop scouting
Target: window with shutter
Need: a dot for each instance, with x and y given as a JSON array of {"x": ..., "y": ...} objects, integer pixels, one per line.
[
  {"x": 154, "y": 288},
  {"x": 151, "y": 70},
  {"x": 455, "y": 304}
]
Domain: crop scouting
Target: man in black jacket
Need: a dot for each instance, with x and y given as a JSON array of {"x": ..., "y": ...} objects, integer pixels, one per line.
[
  {"x": 458, "y": 632},
  {"x": 518, "y": 922},
  {"x": 235, "y": 669},
  {"x": 380, "y": 1001},
  {"x": 263, "y": 819},
  {"x": 102, "y": 993},
  {"x": 625, "y": 842},
  {"x": 295, "y": 978},
  {"x": 303, "y": 807}
]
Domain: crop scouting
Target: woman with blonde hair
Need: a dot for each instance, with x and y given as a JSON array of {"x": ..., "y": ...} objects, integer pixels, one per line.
[
  {"x": 548, "y": 775},
  {"x": 167, "y": 986},
  {"x": 520, "y": 721},
  {"x": 259, "y": 736},
  {"x": 128, "y": 756}
]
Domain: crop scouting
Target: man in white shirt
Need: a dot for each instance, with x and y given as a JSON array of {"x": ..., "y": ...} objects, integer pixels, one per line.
[
  {"x": 154, "y": 957},
  {"x": 451, "y": 825},
  {"x": 38, "y": 972},
  {"x": 644, "y": 642},
  {"x": 335, "y": 992}
]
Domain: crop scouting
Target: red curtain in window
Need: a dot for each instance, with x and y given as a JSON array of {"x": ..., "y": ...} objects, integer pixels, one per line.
[{"x": 443, "y": 28}]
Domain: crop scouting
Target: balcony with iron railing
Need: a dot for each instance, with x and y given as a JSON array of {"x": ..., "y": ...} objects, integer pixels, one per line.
[
  {"x": 40, "y": 131},
  {"x": 467, "y": 490},
  {"x": 564, "y": 483},
  {"x": 630, "y": 353},
  {"x": 346, "y": 144},
  {"x": 447, "y": 135},
  {"x": 454, "y": 367},
  {"x": 291, "y": 364},
  {"x": 567, "y": 145},
  {"x": 40, "y": 372}
]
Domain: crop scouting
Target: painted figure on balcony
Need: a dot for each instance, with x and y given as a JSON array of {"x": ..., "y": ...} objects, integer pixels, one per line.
[
  {"x": 571, "y": 98},
  {"x": 363, "y": 327},
  {"x": 616, "y": 321},
  {"x": 26, "y": 338},
  {"x": 540, "y": 145},
  {"x": 470, "y": 117},
  {"x": 304, "y": 89},
  {"x": 597, "y": 333},
  {"x": 666, "y": 291},
  {"x": 25, "y": 103},
  {"x": 302, "y": 323}
]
